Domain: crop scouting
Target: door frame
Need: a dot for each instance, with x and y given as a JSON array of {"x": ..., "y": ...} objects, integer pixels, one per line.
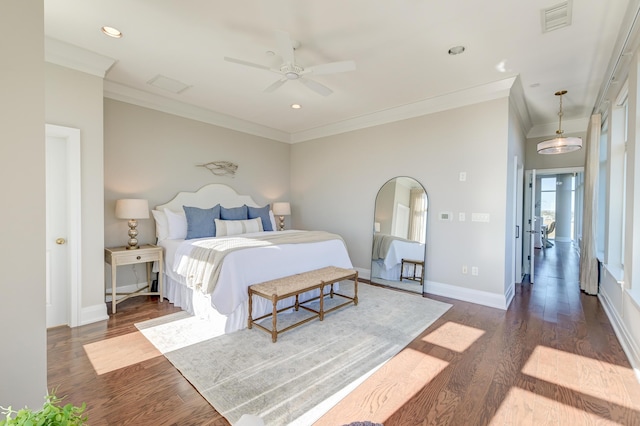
[{"x": 72, "y": 138}]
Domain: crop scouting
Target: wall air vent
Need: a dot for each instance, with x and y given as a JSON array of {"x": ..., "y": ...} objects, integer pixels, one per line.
[{"x": 556, "y": 17}]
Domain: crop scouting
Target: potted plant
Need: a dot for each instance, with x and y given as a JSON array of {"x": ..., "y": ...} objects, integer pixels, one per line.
[{"x": 51, "y": 413}]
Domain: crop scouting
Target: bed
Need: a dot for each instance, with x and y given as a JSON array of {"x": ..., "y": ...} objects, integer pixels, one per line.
[
  {"x": 388, "y": 252},
  {"x": 214, "y": 285}
]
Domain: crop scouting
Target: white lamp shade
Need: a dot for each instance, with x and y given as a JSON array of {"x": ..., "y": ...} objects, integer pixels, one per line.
[
  {"x": 559, "y": 145},
  {"x": 132, "y": 209},
  {"x": 281, "y": 209}
]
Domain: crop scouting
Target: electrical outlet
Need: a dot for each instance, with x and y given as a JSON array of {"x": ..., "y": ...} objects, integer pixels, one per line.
[
  {"x": 464, "y": 269},
  {"x": 463, "y": 176},
  {"x": 462, "y": 217},
  {"x": 474, "y": 271}
]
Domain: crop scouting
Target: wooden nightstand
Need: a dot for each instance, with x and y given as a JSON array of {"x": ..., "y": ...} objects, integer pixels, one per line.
[{"x": 119, "y": 256}]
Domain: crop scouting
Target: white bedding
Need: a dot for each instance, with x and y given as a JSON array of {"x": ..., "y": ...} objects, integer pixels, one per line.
[
  {"x": 229, "y": 300},
  {"x": 389, "y": 267}
]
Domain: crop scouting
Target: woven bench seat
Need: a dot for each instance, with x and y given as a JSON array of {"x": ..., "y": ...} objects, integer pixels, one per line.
[{"x": 294, "y": 285}]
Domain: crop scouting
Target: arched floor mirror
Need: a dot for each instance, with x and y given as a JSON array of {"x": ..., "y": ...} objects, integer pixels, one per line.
[{"x": 400, "y": 233}]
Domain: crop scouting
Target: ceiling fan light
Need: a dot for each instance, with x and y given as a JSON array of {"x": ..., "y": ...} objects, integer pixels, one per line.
[{"x": 559, "y": 145}]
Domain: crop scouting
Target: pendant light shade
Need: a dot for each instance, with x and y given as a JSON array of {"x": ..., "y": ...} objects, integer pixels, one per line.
[{"x": 560, "y": 144}]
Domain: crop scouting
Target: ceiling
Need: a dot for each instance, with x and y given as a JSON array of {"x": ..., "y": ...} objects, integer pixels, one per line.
[{"x": 400, "y": 49}]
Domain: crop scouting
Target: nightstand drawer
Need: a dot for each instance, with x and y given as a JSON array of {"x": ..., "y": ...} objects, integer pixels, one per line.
[{"x": 129, "y": 258}]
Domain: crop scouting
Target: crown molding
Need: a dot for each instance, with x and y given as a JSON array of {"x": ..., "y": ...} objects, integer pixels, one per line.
[
  {"x": 474, "y": 95},
  {"x": 77, "y": 58},
  {"x": 141, "y": 98}
]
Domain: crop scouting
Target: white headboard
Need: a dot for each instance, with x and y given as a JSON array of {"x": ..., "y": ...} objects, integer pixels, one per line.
[{"x": 207, "y": 197}]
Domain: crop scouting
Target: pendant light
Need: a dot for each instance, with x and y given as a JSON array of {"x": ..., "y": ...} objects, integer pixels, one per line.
[{"x": 560, "y": 144}]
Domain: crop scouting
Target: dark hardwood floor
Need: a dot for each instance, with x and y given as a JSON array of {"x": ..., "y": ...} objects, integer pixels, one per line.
[{"x": 552, "y": 358}]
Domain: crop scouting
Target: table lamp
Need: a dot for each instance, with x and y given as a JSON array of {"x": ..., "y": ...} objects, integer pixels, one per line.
[
  {"x": 131, "y": 210},
  {"x": 281, "y": 209}
]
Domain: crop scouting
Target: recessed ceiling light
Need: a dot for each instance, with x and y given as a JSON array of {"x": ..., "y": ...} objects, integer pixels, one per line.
[
  {"x": 456, "y": 50},
  {"x": 112, "y": 32},
  {"x": 296, "y": 106}
]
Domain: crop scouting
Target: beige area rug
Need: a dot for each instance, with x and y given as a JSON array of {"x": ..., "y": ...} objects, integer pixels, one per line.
[{"x": 308, "y": 370}]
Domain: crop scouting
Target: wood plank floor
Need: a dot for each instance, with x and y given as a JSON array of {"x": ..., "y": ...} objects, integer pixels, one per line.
[{"x": 551, "y": 359}]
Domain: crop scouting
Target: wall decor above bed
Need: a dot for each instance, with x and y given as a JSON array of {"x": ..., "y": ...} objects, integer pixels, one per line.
[{"x": 221, "y": 168}]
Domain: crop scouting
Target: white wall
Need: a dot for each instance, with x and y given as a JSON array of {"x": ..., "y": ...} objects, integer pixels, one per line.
[
  {"x": 334, "y": 182},
  {"x": 23, "y": 357},
  {"x": 153, "y": 155},
  {"x": 74, "y": 99}
]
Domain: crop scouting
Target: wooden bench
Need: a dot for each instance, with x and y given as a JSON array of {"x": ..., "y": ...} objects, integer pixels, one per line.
[
  {"x": 294, "y": 285},
  {"x": 414, "y": 276}
]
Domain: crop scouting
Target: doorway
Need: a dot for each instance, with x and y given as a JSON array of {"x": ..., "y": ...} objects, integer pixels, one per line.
[
  {"x": 554, "y": 214},
  {"x": 63, "y": 229}
]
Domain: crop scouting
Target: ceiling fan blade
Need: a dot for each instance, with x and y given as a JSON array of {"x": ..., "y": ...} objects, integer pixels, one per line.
[
  {"x": 331, "y": 68},
  {"x": 275, "y": 85},
  {"x": 285, "y": 46},
  {"x": 246, "y": 63},
  {"x": 321, "y": 89}
]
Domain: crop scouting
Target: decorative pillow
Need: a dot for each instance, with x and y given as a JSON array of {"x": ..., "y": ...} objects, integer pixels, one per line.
[
  {"x": 263, "y": 214},
  {"x": 177, "y": 225},
  {"x": 272, "y": 219},
  {"x": 236, "y": 227},
  {"x": 162, "y": 225},
  {"x": 200, "y": 222},
  {"x": 234, "y": 213}
]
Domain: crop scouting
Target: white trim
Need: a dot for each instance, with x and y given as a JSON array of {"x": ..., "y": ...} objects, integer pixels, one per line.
[
  {"x": 470, "y": 96},
  {"x": 493, "y": 300},
  {"x": 624, "y": 337},
  {"x": 77, "y": 58},
  {"x": 141, "y": 98},
  {"x": 93, "y": 314},
  {"x": 74, "y": 209}
]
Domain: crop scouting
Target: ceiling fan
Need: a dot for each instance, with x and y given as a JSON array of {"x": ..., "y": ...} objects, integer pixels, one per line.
[{"x": 290, "y": 70}]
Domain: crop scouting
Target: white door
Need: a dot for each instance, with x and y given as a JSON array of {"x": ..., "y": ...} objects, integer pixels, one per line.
[
  {"x": 57, "y": 255},
  {"x": 532, "y": 225},
  {"x": 63, "y": 225}
]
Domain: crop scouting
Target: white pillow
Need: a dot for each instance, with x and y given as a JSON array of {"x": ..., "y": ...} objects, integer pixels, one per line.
[
  {"x": 162, "y": 225},
  {"x": 235, "y": 227},
  {"x": 273, "y": 220},
  {"x": 177, "y": 225}
]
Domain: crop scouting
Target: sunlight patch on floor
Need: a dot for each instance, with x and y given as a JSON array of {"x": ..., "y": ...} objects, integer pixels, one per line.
[
  {"x": 453, "y": 336},
  {"x": 119, "y": 352},
  {"x": 179, "y": 330},
  {"x": 521, "y": 407},
  {"x": 585, "y": 375},
  {"x": 387, "y": 390}
]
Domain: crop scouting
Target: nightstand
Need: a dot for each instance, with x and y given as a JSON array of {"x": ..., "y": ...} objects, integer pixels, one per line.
[{"x": 119, "y": 256}]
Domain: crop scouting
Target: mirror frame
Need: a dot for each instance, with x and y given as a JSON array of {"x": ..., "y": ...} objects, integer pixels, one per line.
[{"x": 416, "y": 183}]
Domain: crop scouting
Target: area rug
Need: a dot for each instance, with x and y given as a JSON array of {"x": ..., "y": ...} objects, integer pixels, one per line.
[{"x": 308, "y": 370}]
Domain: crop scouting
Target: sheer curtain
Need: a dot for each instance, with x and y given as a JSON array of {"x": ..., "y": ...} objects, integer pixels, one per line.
[
  {"x": 588, "y": 256},
  {"x": 418, "y": 218}
]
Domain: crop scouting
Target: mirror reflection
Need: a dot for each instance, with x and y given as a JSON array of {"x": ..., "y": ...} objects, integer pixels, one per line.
[{"x": 400, "y": 234}]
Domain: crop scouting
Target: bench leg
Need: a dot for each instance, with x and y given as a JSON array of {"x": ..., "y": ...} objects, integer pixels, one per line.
[
  {"x": 274, "y": 330},
  {"x": 321, "y": 313},
  {"x": 250, "y": 320},
  {"x": 355, "y": 289}
]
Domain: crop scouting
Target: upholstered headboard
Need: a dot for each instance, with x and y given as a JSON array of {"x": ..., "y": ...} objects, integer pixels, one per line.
[{"x": 207, "y": 197}]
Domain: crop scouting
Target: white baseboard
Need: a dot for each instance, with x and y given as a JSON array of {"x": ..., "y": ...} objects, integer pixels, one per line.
[
  {"x": 500, "y": 301},
  {"x": 626, "y": 341},
  {"x": 93, "y": 314},
  {"x": 124, "y": 289},
  {"x": 365, "y": 274}
]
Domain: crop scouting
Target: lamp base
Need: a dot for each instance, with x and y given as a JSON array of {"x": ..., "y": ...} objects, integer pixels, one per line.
[
  {"x": 133, "y": 233},
  {"x": 281, "y": 224}
]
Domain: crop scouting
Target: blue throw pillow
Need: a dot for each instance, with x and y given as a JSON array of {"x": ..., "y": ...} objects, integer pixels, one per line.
[
  {"x": 200, "y": 222},
  {"x": 263, "y": 214},
  {"x": 234, "y": 213}
]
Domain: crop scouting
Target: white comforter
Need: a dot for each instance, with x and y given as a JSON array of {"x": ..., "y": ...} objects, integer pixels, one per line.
[{"x": 245, "y": 267}]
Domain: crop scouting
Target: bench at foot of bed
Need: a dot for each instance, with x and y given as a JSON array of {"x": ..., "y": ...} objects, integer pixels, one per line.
[{"x": 294, "y": 285}]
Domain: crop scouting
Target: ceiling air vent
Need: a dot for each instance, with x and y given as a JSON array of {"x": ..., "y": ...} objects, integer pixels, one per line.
[
  {"x": 556, "y": 17},
  {"x": 169, "y": 84}
]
